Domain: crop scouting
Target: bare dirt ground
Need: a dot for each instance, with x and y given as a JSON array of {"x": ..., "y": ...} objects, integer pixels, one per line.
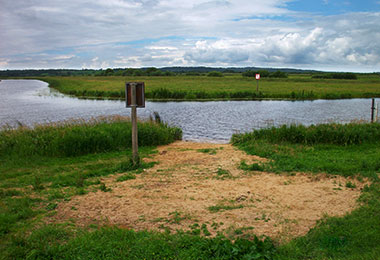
[{"x": 189, "y": 187}]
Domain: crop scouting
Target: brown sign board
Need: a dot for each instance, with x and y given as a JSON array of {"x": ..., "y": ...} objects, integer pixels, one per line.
[{"x": 140, "y": 94}]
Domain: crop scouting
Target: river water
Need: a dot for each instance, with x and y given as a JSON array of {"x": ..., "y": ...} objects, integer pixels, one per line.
[{"x": 32, "y": 102}]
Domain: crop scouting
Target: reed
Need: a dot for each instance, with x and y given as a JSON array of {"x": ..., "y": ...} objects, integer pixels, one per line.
[
  {"x": 338, "y": 134},
  {"x": 229, "y": 87},
  {"x": 78, "y": 137}
]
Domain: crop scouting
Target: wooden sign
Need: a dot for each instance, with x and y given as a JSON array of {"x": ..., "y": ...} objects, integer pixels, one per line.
[{"x": 140, "y": 94}]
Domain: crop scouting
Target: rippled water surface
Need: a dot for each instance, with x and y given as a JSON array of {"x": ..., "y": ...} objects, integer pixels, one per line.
[{"x": 31, "y": 101}]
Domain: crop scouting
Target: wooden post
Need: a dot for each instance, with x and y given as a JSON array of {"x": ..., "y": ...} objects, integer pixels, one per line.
[
  {"x": 373, "y": 111},
  {"x": 135, "y": 153}
]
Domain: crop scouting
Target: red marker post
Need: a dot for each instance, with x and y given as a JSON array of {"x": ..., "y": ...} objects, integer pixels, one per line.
[{"x": 257, "y": 80}]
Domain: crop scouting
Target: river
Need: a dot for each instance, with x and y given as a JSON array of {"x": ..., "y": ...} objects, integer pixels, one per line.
[{"x": 31, "y": 102}]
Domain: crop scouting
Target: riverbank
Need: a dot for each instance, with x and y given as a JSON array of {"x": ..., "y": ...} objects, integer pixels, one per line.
[
  {"x": 213, "y": 198},
  {"x": 231, "y": 87}
]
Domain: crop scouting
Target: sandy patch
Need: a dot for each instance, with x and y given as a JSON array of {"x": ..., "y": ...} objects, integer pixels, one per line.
[{"x": 184, "y": 189}]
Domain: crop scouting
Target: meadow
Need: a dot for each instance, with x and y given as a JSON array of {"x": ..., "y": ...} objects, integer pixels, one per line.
[
  {"x": 351, "y": 150},
  {"x": 47, "y": 165},
  {"x": 228, "y": 87},
  {"x": 50, "y": 163}
]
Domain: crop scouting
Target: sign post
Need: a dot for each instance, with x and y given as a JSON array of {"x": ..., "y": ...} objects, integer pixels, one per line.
[
  {"x": 135, "y": 97},
  {"x": 257, "y": 80}
]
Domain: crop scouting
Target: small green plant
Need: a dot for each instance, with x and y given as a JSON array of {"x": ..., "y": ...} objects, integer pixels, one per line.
[
  {"x": 81, "y": 191},
  {"x": 223, "y": 174},
  {"x": 37, "y": 184},
  {"x": 263, "y": 217},
  {"x": 195, "y": 229},
  {"x": 207, "y": 150},
  {"x": 104, "y": 188},
  {"x": 51, "y": 206},
  {"x": 250, "y": 167},
  {"x": 176, "y": 217},
  {"x": 129, "y": 165},
  {"x": 80, "y": 180},
  {"x": 205, "y": 230},
  {"x": 125, "y": 177},
  {"x": 222, "y": 207},
  {"x": 350, "y": 185}
]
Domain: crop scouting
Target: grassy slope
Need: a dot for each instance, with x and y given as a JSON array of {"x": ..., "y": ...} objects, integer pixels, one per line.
[
  {"x": 294, "y": 87},
  {"x": 355, "y": 236},
  {"x": 42, "y": 166},
  {"x": 31, "y": 187}
]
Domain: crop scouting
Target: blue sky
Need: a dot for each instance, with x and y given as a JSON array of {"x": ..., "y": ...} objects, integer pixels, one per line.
[
  {"x": 334, "y": 7},
  {"x": 324, "y": 35}
]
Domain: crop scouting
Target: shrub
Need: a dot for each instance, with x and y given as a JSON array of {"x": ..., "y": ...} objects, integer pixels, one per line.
[{"x": 215, "y": 74}]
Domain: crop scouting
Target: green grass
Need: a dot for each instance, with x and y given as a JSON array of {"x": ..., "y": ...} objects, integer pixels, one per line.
[
  {"x": 31, "y": 187},
  {"x": 335, "y": 150},
  {"x": 43, "y": 166},
  {"x": 74, "y": 138},
  {"x": 229, "y": 87},
  {"x": 250, "y": 167},
  {"x": 57, "y": 242},
  {"x": 347, "y": 150}
]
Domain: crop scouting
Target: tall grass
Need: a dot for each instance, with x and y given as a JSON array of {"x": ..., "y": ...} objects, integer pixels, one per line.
[
  {"x": 78, "y": 137},
  {"x": 296, "y": 87},
  {"x": 348, "y": 150},
  {"x": 339, "y": 134}
]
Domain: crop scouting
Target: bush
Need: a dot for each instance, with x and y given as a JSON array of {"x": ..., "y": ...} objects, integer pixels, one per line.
[
  {"x": 336, "y": 75},
  {"x": 215, "y": 74}
]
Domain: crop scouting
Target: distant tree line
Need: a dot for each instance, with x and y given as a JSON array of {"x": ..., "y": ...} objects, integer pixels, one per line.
[
  {"x": 265, "y": 74},
  {"x": 134, "y": 72},
  {"x": 336, "y": 75},
  {"x": 172, "y": 71}
]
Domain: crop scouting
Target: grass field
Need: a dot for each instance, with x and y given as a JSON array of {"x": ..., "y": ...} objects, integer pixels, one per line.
[
  {"x": 296, "y": 87},
  {"x": 40, "y": 167},
  {"x": 32, "y": 185},
  {"x": 333, "y": 149}
]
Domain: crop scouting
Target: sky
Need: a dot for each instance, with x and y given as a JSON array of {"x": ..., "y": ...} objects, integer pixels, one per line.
[{"x": 329, "y": 35}]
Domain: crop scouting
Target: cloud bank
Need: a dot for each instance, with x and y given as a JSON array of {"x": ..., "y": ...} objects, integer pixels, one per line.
[{"x": 135, "y": 33}]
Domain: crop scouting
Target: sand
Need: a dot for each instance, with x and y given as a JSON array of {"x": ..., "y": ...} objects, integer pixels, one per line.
[{"x": 179, "y": 191}]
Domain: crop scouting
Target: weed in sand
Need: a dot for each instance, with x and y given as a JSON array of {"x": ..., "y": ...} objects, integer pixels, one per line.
[
  {"x": 250, "y": 167},
  {"x": 211, "y": 151},
  {"x": 104, "y": 188},
  {"x": 222, "y": 207},
  {"x": 205, "y": 230},
  {"x": 125, "y": 177},
  {"x": 350, "y": 185},
  {"x": 222, "y": 174},
  {"x": 176, "y": 217}
]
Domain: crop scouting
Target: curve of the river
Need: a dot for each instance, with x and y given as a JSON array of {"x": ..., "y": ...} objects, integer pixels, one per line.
[{"x": 32, "y": 102}]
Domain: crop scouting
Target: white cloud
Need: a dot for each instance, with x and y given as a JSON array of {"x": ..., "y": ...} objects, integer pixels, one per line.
[
  {"x": 63, "y": 57},
  {"x": 4, "y": 63},
  {"x": 75, "y": 33}
]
